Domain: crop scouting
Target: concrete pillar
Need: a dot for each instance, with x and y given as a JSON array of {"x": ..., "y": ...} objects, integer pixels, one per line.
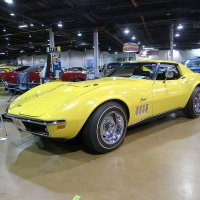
[
  {"x": 171, "y": 39},
  {"x": 51, "y": 38},
  {"x": 96, "y": 53}
]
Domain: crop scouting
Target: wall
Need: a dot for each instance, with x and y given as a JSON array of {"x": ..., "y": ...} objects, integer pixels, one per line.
[{"x": 76, "y": 58}]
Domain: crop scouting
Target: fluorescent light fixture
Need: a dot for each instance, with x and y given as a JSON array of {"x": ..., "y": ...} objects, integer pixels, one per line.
[
  {"x": 12, "y": 14},
  {"x": 23, "y": 26},
  {"x": 79, "y": 33},
  {"x": 126, "y": 31},
  {"x": 177, "y": 35},
  {"x": 180, "y": 26},
  {"x": 60, "y": 24},
  {"x": 8, "y": 1}
]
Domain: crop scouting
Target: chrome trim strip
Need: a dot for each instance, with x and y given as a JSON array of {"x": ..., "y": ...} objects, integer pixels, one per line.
[
  {"x": 41, "y": 122},
  {"x": 39, "y": 133},
  {"x": 154, "y": 116}
]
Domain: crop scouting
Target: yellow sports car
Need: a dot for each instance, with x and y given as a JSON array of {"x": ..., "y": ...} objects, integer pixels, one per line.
[{"x": 102, "y": 109}]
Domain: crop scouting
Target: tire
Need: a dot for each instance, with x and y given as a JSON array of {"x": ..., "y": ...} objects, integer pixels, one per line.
[
  {"x": 77, "y": 80},
  {"x": 105, "y": 129},
  {"x": 192, "y": 109}
]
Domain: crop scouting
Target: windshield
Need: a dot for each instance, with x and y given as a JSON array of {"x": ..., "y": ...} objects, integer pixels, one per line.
[
  {"x": 135, "y": 70},
  {"x": 192, "y": 63},
  {"x": 35, "y": 68},
  {"x": 21, "y": 68}
]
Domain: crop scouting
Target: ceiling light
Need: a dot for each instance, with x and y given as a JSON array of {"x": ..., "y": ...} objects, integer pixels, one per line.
[
  {"x": 31, "y": 24},
  {"x": 4, "y": 30},
  {"x": 126, "y": 31},
  {"x": 8, "y": 1},
  {"x": 7, "y": 38},
  {"x": 174, "y": 45},
  {"x": 109, "y": 48},
  {"x": 29, "y": 35},
  {"x": 60, "y": 24},
  {"x": 133, "y": 38},
  {"x": 12, "y": 14},
  {"x": 23, "y": 26},
  {"x": 79, "y": 33},
  {"x": 177, "y": 35},
  {"x": 180, "y": 26}
]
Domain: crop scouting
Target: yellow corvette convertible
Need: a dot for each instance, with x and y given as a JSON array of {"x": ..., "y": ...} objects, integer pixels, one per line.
[{"x": 102, "y": 109}]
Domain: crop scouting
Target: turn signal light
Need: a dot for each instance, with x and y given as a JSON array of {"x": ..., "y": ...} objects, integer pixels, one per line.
[{"x": 60, "y": 127}]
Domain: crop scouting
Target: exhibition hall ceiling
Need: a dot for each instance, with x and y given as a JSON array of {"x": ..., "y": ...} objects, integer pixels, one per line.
[{"x": 25, "y": 24}]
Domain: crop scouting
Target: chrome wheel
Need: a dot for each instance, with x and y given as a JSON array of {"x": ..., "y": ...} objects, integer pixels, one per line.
[
  {"x": 196, "y": 103},
  {"x": 112, "y": 127}
]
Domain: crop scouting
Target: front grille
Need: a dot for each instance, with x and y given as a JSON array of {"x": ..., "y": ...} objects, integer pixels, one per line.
[{"x": 36, "y": 128}]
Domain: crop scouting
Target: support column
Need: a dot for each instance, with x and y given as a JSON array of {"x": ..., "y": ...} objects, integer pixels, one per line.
[
  {"x": 51, "y": 38},
  {"x": 171, "y": 39},
  {"x": 96, "y": 53}
]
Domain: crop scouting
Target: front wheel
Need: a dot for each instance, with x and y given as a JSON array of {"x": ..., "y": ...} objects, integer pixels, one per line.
[
  {"x": 104, "y": 131},
  {"x": 192, "y": 109}
]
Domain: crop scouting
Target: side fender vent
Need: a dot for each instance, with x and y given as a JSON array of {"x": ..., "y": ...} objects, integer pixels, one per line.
[{"x": 141, "y": 110}]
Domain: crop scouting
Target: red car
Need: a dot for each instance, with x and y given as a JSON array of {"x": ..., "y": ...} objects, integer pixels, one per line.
[{"x": 34, "y": 75}]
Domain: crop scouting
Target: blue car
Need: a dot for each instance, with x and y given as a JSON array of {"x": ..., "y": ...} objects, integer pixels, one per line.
[{"x": 193, "y": 64}]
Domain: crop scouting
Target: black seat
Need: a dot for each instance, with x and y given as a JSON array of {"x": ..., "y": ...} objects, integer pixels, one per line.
[{"x": 161, "y": 76}]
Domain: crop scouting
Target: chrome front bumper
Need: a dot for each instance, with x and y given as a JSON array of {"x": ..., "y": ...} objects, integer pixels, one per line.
[{"x": 36, "y": 127}]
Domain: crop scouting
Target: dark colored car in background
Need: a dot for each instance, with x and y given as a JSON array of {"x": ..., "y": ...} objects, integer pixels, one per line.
[
  {"x": 107, "y": 68},
  {"x": 193, "y": 64}
]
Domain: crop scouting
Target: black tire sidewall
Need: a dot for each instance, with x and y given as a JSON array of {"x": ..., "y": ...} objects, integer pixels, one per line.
[
  {"x": 97, "y": 118},
  {"x": 193, "y": 105},
  {"x": 189, "y": 110}
]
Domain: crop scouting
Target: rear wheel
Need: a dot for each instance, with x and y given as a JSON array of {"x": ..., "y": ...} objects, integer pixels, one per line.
[
  {"x": 106, "y": 127},
  {"x": 192, "y": 109}
]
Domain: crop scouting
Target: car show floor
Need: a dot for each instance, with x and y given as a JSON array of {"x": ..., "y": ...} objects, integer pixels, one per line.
[{"x": 158, "y": 160}]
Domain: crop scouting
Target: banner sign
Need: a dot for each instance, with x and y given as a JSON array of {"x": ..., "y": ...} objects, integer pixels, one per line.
[
  {"x": 130, "y": 47},
  {"x": 53, "y": 49}
]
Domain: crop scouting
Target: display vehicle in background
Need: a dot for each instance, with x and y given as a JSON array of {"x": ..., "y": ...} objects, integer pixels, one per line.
[
  {"x": 102, "y": 109},
  {"x": 193, "y": 64},
  {"x": 74, "y": 74},
  {"x": 11, "y": 77},
  {"x": 5, "y": 69},
  {"x": 34, "y": 75},
  {"x": 76, "y": 69},
  {"x": 108, "y": 67}
]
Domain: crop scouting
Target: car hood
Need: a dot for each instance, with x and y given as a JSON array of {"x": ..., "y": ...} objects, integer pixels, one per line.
[{"x": 40, "y": 100}]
